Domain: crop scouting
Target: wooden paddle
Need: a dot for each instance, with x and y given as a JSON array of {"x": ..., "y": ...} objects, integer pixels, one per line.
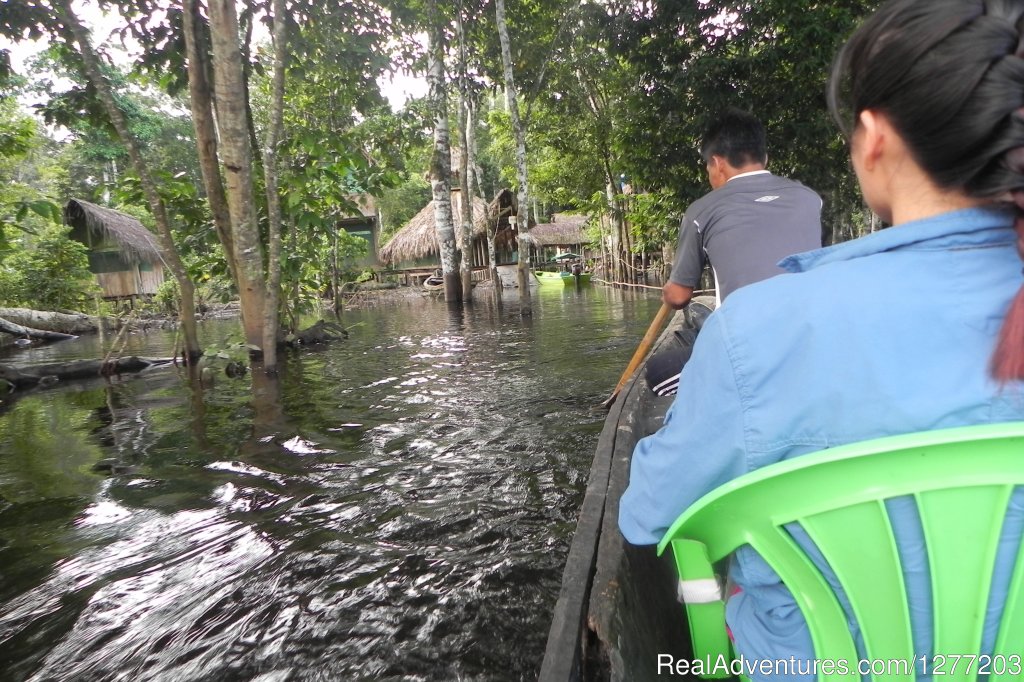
[{"x": 641, "y": 351}]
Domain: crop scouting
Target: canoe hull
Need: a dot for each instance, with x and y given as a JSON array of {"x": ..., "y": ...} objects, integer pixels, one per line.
[
  {"x": 617, "y": 610},
  {"x": 562, "y": 278}
]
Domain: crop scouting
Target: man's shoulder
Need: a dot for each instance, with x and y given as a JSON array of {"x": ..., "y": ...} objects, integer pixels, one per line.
[{"x": 768, "y": 180}]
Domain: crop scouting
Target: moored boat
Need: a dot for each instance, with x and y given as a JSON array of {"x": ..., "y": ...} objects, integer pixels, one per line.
[
  {"x": 617, "y": 617},
  {"x": 563, "y": 278}
]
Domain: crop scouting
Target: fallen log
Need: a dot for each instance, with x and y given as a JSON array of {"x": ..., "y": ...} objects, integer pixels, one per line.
[
  {"x": 55, "y": 372},
  {"x": 49, "y": 321},
  {"x": 9, "y": 327}
]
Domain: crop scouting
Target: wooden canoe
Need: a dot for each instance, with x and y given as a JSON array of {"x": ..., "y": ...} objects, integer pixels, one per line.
[
  {"x": 562, "y": 278},
  {"x": 617, "y": 609}
]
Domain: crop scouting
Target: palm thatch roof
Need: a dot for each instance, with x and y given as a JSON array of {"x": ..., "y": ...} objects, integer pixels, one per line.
[
  {"x": 136, "y": 243},
  {"x": 418, "y": 239},
  {"x": 565, "y": 229}
]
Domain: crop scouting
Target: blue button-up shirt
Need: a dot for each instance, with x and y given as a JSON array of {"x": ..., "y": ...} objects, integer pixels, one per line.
[{"x": 887, "y": 334}]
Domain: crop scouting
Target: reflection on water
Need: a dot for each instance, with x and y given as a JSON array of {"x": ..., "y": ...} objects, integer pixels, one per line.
[{"x": 395, "y": 506}]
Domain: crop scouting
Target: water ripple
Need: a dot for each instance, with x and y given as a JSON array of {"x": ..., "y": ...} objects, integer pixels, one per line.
[{"x": 401, "y": 511}]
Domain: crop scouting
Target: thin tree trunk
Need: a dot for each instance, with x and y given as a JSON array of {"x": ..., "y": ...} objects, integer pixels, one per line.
[
  {"x": 441, "y": 161},
  {"x": 201, "y": 104},
  {"x": 618, "y": 245},
  {"x": 522, "y": 211},
  {"x": 335, "y": 274},
  {"x": 293, "y": 239},
  {"x": 475, "y": 173},
  {"x": 246, "y": 52},
  {"x": 236, "y": 153},
  {"x": 492, "y": 256},
  {"x": 606, "y": 253},
  {"x": 465, "y": 120},
  {"x": 168, "y": 251},
  {"x": 474, "y": 177},
  {"x": 619, "y": 269},
  {"x": 270, "y": 314}
]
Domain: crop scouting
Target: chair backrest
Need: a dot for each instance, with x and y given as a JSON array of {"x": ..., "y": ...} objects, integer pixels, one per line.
[{"x": 961, "y": 481}]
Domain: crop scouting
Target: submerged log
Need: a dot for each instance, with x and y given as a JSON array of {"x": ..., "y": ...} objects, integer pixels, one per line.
[
  {"x": 75, "y": 369},
  {"x": 320, "y": 332}
]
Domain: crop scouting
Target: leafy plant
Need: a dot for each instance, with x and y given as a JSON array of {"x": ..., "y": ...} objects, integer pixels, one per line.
[{"x": 51, "y": 274}]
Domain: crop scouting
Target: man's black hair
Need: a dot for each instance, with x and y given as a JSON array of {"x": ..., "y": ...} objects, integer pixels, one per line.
[{"x": 736, "y": 135}]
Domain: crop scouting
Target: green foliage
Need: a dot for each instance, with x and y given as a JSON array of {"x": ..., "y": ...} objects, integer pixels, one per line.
[
  {"x": 771, "y": 58},
  {"x": 23, "y": 204},
  {"x": 51, "y": 274},
  {"x": 399, "y": 204},
  {"x": 653, "y": 219},
  {"x": 93, "y": 158},
  {"x": 166, "y": 296},
  {"x": 192, "y": 226}
]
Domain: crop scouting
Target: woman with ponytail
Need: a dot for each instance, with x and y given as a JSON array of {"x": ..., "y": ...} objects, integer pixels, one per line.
[{"x": 917, "y": 327}]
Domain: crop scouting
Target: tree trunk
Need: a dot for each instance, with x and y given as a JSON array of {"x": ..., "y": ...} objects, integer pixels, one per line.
[
  {"x": 201, "y": 105},
  {"x": 619, "y": 247},
  {"x": 168, "y": 251},
  {"x": 492, "y": 255},
  {"x": 236, "y": 153},
  {"x": 522, "y": 211},
  {"x": 475, "y": 172},
  {"x": 293, "y": 238},
  {"x": 465, "y": 120},
  {"x": 270, "y": 317},
  {"x": 335, "y": 275},
  {"x": 474, "y": 176},
  {"x": 441, "y": 160}
]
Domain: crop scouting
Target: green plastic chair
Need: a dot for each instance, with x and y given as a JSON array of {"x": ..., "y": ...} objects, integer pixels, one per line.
[{"x": 961, "y": 480}]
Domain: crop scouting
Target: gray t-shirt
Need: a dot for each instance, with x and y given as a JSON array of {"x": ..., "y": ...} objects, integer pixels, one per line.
[{"x": 745, "y": 227}]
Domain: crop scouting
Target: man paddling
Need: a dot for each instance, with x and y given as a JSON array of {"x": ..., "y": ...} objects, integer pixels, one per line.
[{"x": 749, "y": 221}]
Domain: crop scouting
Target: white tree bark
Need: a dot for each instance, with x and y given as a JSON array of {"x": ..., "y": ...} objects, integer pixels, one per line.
[
  {"x": 441, "y": 160},
  {"x": 522, "y": 210},
  {"x": 466, "y": 217},
  {"x": 270, "y": 314}
]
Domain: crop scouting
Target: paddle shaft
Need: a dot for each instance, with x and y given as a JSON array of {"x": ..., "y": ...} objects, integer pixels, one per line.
[{"x": 641, "y": 351}]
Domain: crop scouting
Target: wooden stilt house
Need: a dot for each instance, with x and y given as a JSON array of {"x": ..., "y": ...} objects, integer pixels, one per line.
[{"x": 122, "y": 252}]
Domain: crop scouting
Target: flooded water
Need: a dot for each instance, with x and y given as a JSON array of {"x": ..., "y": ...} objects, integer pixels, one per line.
[{"x": 397, "y": 506}]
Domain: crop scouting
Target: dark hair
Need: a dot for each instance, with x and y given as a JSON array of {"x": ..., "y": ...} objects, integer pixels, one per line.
[
  {"x": 736, "y": 135},
  {"x": 949, "y": 75}
]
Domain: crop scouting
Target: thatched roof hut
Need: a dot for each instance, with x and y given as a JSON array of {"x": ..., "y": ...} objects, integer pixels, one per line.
[
  {"x": 418, "y": 239},
  {"x": 565, "y": 229},
  {"x": 122, "y": 253},
  {"x": 105, "y": 225},
  {"x": 415, "y": 245}
]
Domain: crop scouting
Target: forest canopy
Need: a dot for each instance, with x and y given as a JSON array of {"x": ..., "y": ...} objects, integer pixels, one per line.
[{"x": 594, "y": 106}]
